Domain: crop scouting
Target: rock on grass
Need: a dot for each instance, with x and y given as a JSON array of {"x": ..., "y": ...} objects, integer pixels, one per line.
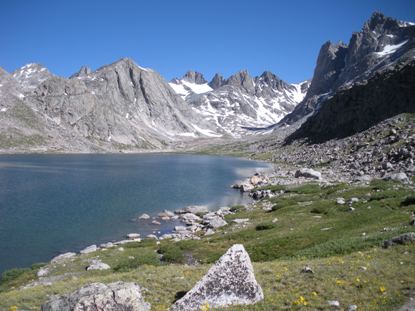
[
  {"x": 100, "y": 297},
  {"x": 231, "y": 281}
]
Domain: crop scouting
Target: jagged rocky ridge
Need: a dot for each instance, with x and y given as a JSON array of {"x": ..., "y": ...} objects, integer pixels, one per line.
[
  {"x": 124, "y": 107},
  {"x": 241, "y": 103},
  {"x": 120, "y": 106},
  {"x": 382, "y": 44},
  {"x": 356, "y": 109}
]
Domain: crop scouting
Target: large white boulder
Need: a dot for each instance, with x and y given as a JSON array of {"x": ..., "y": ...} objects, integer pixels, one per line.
[
  {"x": 231, "y": 281},
  {"x": 307, "y": 173}
]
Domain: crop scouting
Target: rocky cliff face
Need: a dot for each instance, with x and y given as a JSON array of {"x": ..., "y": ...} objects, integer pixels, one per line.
[
  {"x": 119, "y": 106},
  {"x": 382, "y": 44},
  {"x": 356, "y": 109},
  {"x": 241, "y": 103}
]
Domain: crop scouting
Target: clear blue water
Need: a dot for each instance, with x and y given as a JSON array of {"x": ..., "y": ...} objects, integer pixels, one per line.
[{"x": 51, "y": 204}]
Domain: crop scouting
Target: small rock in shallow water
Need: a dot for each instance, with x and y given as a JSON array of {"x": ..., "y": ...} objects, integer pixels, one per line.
[
  {"x": 196, "y": 209},
  {"x": 166, "y": 214},
  {"x": 144, "y": 216},
  {"x": 133, "y": 236}
]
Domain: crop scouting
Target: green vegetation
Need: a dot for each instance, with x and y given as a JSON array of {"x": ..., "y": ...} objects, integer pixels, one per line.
[{"x": 305, "y": 226}]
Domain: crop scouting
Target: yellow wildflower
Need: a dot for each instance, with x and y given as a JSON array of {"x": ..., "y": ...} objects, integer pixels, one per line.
[
  {"x": 382, "y": 289},
  {"x": 205, "y": 307},
  {"x": 13, "y": 308},
  {"x": 339, "y": 282},
  {"x": 314, "y": 293},
  {"x": 301, "y": 301}
]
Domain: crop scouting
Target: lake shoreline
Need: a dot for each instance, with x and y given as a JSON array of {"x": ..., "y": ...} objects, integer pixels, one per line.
[{"x": 55, "y": 165}]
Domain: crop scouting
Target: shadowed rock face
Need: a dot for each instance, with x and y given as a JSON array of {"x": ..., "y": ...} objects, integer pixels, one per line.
[
  {"x": 230, "y": 281},
  {"x": 382, "y": 44},
  {"x": 356, "y": 109},
  {"x": 217, "y": 81},
  {"x": 118, "y": 296}
]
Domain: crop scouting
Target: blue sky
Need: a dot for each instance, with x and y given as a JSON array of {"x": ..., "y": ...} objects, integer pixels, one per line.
[{"x": 175, "y": 36}]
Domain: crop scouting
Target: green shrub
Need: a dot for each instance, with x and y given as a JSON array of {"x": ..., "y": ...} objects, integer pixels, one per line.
[
  {"x": 172, "y": 254},
  {"x": 306, "y": 189},
  {"x": 265, "y": 226},
  {"x": 410, "y": 200},
  {"x": 12, "y": 274},
  {"x": 237, "y": 208},
  {"x": 146, "y": 257}
]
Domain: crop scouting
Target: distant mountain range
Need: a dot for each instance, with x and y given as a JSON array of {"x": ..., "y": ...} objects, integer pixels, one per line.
[
  {"x": 240, "y": 102},
  {"x": 125, "y": 107}
]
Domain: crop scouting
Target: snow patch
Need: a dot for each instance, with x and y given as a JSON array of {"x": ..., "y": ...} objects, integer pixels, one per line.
[
  {"x": 144, "y": 69},
  {"x": 3, "y": 109},
  {"x": 197, "y": 88},
  {"x": 179, "y": 89},
  {"x": 206, "y": 132},
  {"x": 406, "y": 24},
  {"x": 298, "y": 95},
  {"x": 187, "y": 134},
  {"x": 390, "y": 49}
]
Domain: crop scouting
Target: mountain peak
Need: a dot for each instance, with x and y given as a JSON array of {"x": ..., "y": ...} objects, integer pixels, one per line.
[
  {"x": 379, "y": 22},
  {"x": 194, "y": 77},
  {"x": 124, "y": 62},
  {"x": 217, "y": 81},
  {"x": 82, "y": 72},
  {"x": 242, "y": 79},
  {"x": 31, "y": 75},
  {"x": 268, "y": 76}
]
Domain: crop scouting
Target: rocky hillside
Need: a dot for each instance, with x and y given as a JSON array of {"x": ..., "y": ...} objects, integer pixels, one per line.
[
  {"x": 356, "y": 109},
  {"x": 241, "y": 103},
  {"x": 382, "y": 44},
  {"x": 121, "y": 106}
]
